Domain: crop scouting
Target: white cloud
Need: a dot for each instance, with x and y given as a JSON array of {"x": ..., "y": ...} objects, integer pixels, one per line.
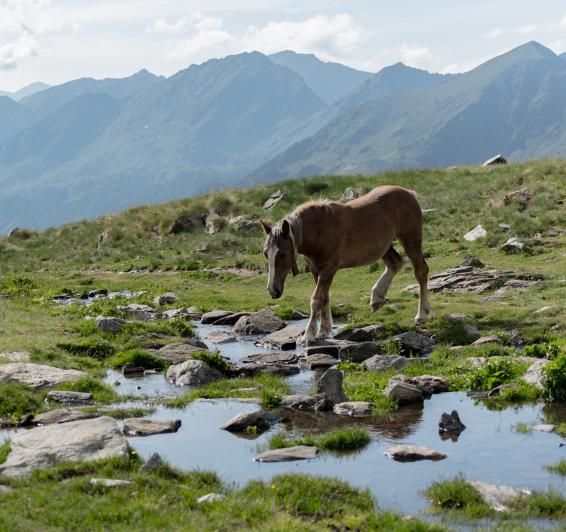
[
  {"x": 563, "y": 21},
  {"x": 15, "y": 51},
  {"x": 496, "y": 32},
  {"x": 415, "y": 56},
  {"x": 527, "y": 30}
]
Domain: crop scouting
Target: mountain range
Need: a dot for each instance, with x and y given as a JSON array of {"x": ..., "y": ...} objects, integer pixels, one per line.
[{"x": 90, "y": 146}]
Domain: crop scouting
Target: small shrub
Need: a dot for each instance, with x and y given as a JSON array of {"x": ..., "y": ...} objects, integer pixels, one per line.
[
  {"x": 270, "y": 399},
  {"x": 546, "y": 350},
  {"x": 16, "y": 286},
  {"x": 182, "y": 327},
  {"x": 554, "y": 386},
  {"x": 492, "y": 374},
  {"x": 393, "y": 347},
  {"x": 98, "y": 349},
  {"x": 343, "y": 440},
  {"x": 214, "y": 360},
  {"x": 523, "y": 428}
]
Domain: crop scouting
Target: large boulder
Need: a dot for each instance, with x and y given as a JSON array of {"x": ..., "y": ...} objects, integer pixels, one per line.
[
  {"x": 16, "y": 356},
  {"x": 249, "y": 419},
  {"x": 88, "y": 439},
  {"x": 177, "y": 352},
  {"x": 360, "y": 351},
  {"x": 111, "y": 324},
  {"x": 413, "y": 342},
  {"x": 413, "y": 453},
  {"x": 263, "y": 322},
  {"x": 213, "y": 316},
  {"x": 283, "y": 339},
  {"x": 187, "y": 222},
  {"x": 496, "y": 159},
  {"x": 330, "y": 384},
  {"x": 168, "y": 298},
  {"x": 535, "y": 374},
  {"x": 149, "y": 427},
  {"x": 37, "y": 375},
  {"x": 62, "y": 415},
  {"x": 382, "y": 362},
  {"x": 500, "y": 498},
  {"x": 317, "y": 361},
  {"x": 273, "y": 200},
  {"x": 70, "y": 398},
  {"x": 353, "y": 409},
  {"x": 403, "y": 392},
  {"x": 192, "y": 373},
  {"x": 307, "y": 403},
  {"x": 137, "y": 311}
]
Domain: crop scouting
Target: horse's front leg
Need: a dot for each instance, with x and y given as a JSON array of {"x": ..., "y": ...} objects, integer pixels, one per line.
[{"x": 320, "y": 305}]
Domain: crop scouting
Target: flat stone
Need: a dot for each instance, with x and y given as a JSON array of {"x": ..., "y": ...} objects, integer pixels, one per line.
[
  {"x": 329, "y": 349},
  {"x": 177, "y": 353},
  {"x": 271, "y": 358},
  {"x": 288, "y": 454},
  {"x": 535, "y": 374},
  {"x": 253, "y": 368},
  {"x": 137, "y": 311},
  {"x": 499, "y": 497},
  {"x": 262, "y": 322},
  {"x": 413, "y": 453},
  {"x": 72, "y": 398},
  {"x": 273, "y": 200},
  {"x": 496, "y": 159},
  {"x": 318, "y": 361},
  {"x": 491, "y": 339},
  {"x": 353, "y": 409},
  {"x": 360, "y": 351},
  {"x": 214, "y": 315},
  {"x": 363, "y": 334},
  {"x": 477, "y": 232},
  {"x": 330, "y": 384},
  {"x": 221, "y": 337},
  {"x": 190, "y": 313},
  {"x": 248, "y": 419},
  {"x": 383, "y": 362},
  {"x": 544, "y": 428},
  {"x": 450, "y": 423},
  {"x": 149, "y": 427},
  {"x": 403, "y": 392},
  {"x": 513, "y": 244},
  {"x": 112, "y": 324},
  {"x": 37, "y": 375},
  {"x": 192, "y": 373},
  {"x": 166, "y": 299},
  {"x": 110, "y": 482},
  {"x": 87, "y": 439},
  {"x": 211, "y": 497},
  {"x": 413, "y": 342},
  {"x": 429, "y": 384},
  {"x": 283, "y": 339},
  {"x": 62, "y": 415},
  {"x": 231, "y": 319},
  {"x": 307, "y": 403},
  {"x": 16, "y": 356}
]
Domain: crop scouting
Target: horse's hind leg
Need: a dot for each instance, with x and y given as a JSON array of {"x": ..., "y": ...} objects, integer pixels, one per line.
[
  {"x": 393, "y": 263},
  {"x": 413, "y": 248}
]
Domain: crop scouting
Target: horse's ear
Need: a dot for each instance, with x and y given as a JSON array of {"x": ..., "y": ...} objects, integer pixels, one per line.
[
  {"x": 286, "y": 228},
  {"x": 265, "y": 226}
]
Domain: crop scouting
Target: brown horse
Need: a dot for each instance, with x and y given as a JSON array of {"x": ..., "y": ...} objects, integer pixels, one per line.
[{"x": 332, "y": 236}]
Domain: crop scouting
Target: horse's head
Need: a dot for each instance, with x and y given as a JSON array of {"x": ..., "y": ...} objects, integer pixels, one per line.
[{"x": 280, "y": 250}]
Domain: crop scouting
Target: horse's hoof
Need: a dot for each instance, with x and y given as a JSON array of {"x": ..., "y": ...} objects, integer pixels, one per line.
[
  {"x": 306, "y": 340},
  {"x": 322, "y": 336}
]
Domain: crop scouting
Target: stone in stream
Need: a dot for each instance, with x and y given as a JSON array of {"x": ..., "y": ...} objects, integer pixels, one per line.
[
  {"x": 544, "y": 428},
  {"x": 214, "y": 316},
  {"x": 149, "y": 427},
  {"x": 37, "y": 375},
  {"x": 137, "y": 311},
  {"x": 154, "y": 462},
  {"x": 190, "y": 313},
  {"x": 192, "y": 373},
  {"x": 413, "y": 453},
  {"x": 262, "y": 322},
  {"x": 360, "y": 351},
  {"x": 327, "y": 349},
  {"x": 87, "y": 439},
  {"x": 168, "y": 298},
  {"x": 317, "y": 361},
  {"x": 499, "y": 497},
  {"x": 307, "y": 403},
  {"x": 382, "y": 362},
  {"x": 112, "y": 324},
  {"x": 283, "y": 339},
  {"x": 353, "y": 409},
  {"x": 62, "y": 415},
  {"x": 330, "y": 384},
  {"x": 131, "y": 369},
  {"x": 403, "y": 393},
  {"x": 70, "y": 398},
  {"x": 221, "y": 337},
  {"x": 110, "y": 482},
  {"x": 211, "y": 497},
  {"x": 450, "y": 423},
  {"x": 253, "y": 368},
  {"x": 288, "y": 454},
  {"x": 242, "y": 422},
  {"x": 535, "y": 374},
  {"x": 271, "y": 358},
  {"x": 231, "y": 319},
  {"x": 298, "y": 315},
  {"x": 16, "y": 356},
  {"x": 177, "y": 353},
  {"x": 362, "y": 334}
]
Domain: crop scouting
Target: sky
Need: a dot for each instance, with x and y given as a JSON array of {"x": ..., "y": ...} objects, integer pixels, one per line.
[{"x": 58, "y": 40}]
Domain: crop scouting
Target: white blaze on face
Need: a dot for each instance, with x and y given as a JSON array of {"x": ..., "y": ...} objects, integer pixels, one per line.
[{"x": 271, "y": 255}]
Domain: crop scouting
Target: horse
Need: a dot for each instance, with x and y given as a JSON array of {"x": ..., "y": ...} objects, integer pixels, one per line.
[{"x": 332, "y": 236}]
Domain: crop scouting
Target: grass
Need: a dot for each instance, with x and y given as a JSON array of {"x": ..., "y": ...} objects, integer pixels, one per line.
[
  {"x": 101, "y": 393},
  {"x": 214, "y": 360},
  {"x": 17, "y": 400},
  {"x": 123, "y": 413},
  {"x": 137, "y": 357},
  {"x": 4, "y": 451},
  {"x": 523, "y": 428},
  {"x": 340, "y": 440},
  {"x": 559, "y": 468},
  {"x": 97, "y": 349}
]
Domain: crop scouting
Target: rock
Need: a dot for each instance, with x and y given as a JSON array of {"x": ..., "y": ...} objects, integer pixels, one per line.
[
  {"x": 262, "y": 322},
  {"x": 16, "y": 356},
  {"x": 513, "y": 244},
  {"x": 515, "y": 338},
  {"x": 491, "y": 339},
  {"x": 283, "y": 339},
  {"x": 98, "y": 293},
  {"x": 504, "y": 227},
  {"x": 271, "y": 358},
  {"x": 473, "y": 262},
  {"x": 187, "y": 222},
  {"x": 353, "y": 409},
  {"x": 413, "y": 342},
  {"x": 544, "y": 428},
  {"x": 403, "y": 392},
  {"x": 214, "y": 315},
  {"x": 429, "y": 384},
  {"x": 131, "y": 369},
  {"x": 154, "y": 462},
  {"x": 308, "y": 403},
  {"x": 288, "y": 454},
  {"x": 19, "y": 234},
  {"x": 499, "y": 497},
  {"x": 298, "y": 315},
  {"x": 231, "y": 319},
  {"x": 413, "y": 453},
  {"x": 149, "y": 427},
  {"x": 243, "y": 224},
  {"x": 496, "y": 159},
  {"x": 72, "y": 398},
  {"x": 522, "y": 196},
  {"x": 210, "y": 497},
  {"x": 177, "y": 353},
  {"x": 349, "y": 194},
  {"x": 273, "y": 200},
  {"x": 37, "y": 375},
  {"x": 87, "y": 439},
  {"x": 475, "y": 233},
  {"x": 190, "y": 313},
  {"x": 62, "y": 415},
  {"x": 166, "y": 299},
  {"x": 252, "y": 368},
  {"x": 362, "y": 334},
  {"x": 110, "y": 482},
  {"x": 195, "y": 342},
  {"x": 332, "y": 350},
  {"x": 535, "y": 374},
  {"x": 112, "y": 325},
  {"x": 137, "y": 311},
  {"x": 243, "y": 421},
  {"x": 382, "y": 362},
  {"x": 214, "y": 223},
  {"x": 221, "y": 337},
  {"x": 450, "y": 423},
  {"x": 317, "y": 361},
  {"x": 360, "y": 351},
  {"x": 192, "y": 373},
  {"x": 5, "y": 489},
  {"x": 330, "y": 384}
]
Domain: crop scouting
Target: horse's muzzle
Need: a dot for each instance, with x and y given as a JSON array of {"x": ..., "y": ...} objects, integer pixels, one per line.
[{"x": 275, "y": 293}]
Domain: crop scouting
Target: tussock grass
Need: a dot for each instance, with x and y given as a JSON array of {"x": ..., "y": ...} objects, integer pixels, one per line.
[
  {"x": 101, "y": 393},
  {"x": 340, "y": 440},
  {"x": 138, "y": 357},
  {"x": 17, "y": 400},
  {"x": 457, "y": 494},
  {"x": 559, "y": 468}
]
